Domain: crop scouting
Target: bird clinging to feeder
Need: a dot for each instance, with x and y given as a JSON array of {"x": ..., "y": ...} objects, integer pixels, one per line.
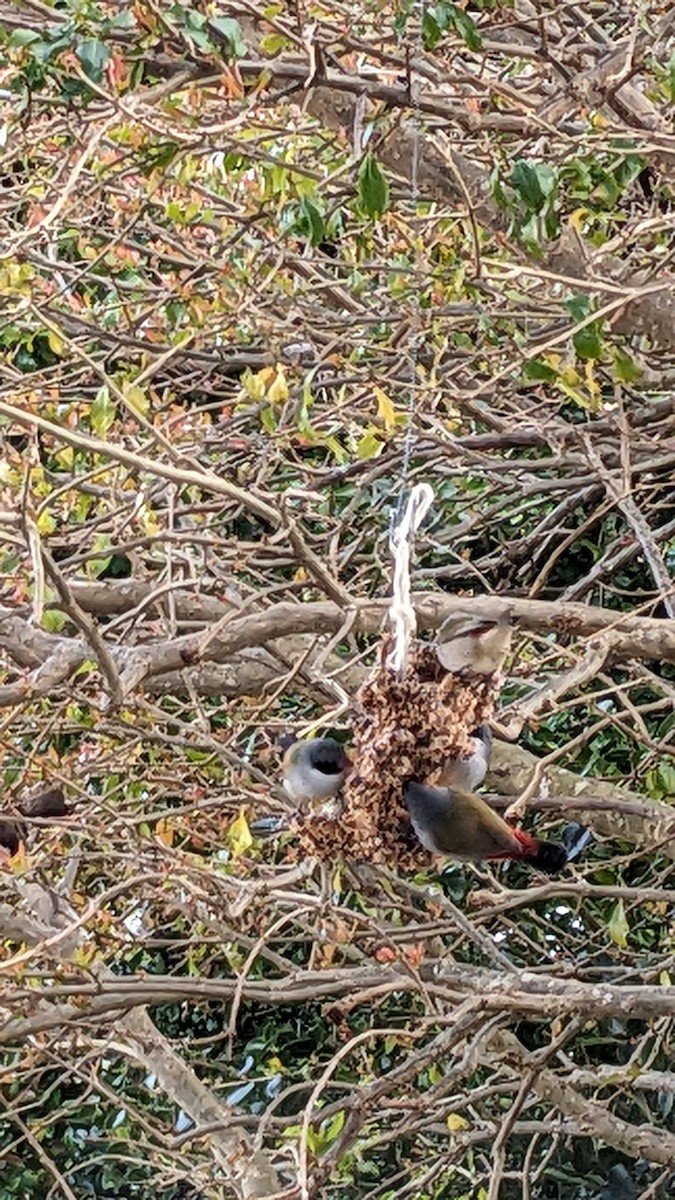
[
  {"x": 466, "y": 774},
  {"x": 462, "y": 826},
  {"x": 468, "y": 644},
  {"x": 314, "y": 770}
]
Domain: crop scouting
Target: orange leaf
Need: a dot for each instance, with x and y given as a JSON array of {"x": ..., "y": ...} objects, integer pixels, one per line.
[
  {"x": 164, "y": 831},
  {"x": 385, "y": 954},
  {"x": 414, "y": 954}
]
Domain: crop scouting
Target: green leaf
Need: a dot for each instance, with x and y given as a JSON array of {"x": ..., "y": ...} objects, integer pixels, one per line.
[
  {"x": 23, "y": 37},
  {"x": 273, "y": 43},
  {"x": 539, "y": 371},
  {"x": 531, "y": 184},
  {"x": 578, "y": 306},
  {"x": 626, "y": 370},
  {"x": 313, "y": 221},
  {"x": 232, "y": 31},
  {"x": 454, "y": 882},
  {"x": 466, "y": 28},
  {"x": 102, "y": 412},
  {"x": 665, "y": 773},
  {"x": 330, "y": 1130},
  {"x": 158, "y": 156},
  {"x": 174, "y": 212},
  {"x": 53, "y": 620},
  {"x": 96, "y": 566},
  {"x": 268, "y": 419},
  {"x": 431, "y": 30},
  {"x": 618, "y": 927},
  {"x": 93, "y": 55},
  {"x": 588, "y": 341},
  {"x": 373, "y": 187},
  {"x": 201, "y": 39}
]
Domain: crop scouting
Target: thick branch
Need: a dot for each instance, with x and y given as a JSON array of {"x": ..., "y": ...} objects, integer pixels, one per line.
[
  {"x": 523, "y": 992},
  {"x": 511, "y": 770},
  {"x": 631, "y": 637},
  {"x": 593, "y": 1119}
]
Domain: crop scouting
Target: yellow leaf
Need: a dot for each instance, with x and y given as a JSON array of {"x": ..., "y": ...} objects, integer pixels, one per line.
[
  {"x": 592, "y": 385},
  {"x": 255, "y": 385},
  {"x": 8, "y": 474},
  {"x": 65, "y": 457},
  {"x": 568, "y": 382},
  {"x": 455, "y": 1123},
  {"x": 570, "y": 376},
  {"x": 665, "y": 980},
  {"x": 136, "y": 398},
  {"x": 336, "y": 450},
  {"x": 577, "y": 219},
  {"x": 369, "y": 446},
  {"x": 239, "y": 835},
  {"x": 277, "y": 392},
  {"x": 164, "y": 831},
  {"x": 84, "y": 955},
  {"x": 552, "y": 361},
  {"x": 385, "y": 409},
  {"x": 618, "y": 927},
  {"x": 55, "y": 342},
  {"x": 45, "y": 522},
  {"x": 19, "y": 861},
  {"x": 147, "y": 520}
]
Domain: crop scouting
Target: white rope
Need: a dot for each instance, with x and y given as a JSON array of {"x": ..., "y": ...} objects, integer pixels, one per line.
[
  {"x": 401, "y": 612},
  {"x": 401, "y": 538}
]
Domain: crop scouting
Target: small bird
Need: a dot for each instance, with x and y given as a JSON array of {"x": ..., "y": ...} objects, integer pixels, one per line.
[
  {"x": 470, "y": 643},
  {"x": 467, "y": 774},
  {"x": 314, "y": 769},
  {"x": 463, "y": 826}
]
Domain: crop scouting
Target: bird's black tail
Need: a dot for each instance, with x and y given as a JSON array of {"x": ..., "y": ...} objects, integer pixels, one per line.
[{"x": 549, "y": 857}]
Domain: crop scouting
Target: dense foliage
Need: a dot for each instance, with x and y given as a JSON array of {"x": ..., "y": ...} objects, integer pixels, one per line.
[{"x": 263, "y": 266}]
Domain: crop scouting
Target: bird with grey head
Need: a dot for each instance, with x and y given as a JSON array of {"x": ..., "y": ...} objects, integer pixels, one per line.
[{"x": 313, "y": 769}]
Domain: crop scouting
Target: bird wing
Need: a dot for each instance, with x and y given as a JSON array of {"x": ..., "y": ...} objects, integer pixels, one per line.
[{"x": 478, "y": 826}]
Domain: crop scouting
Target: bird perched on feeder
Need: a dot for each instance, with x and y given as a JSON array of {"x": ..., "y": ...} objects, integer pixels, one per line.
[
  {"x": 314, "y": 769},
  {"x": 463, "y": 826},
  {"x": 467, "y": 774},
  {"x": 480, "y": 645}
]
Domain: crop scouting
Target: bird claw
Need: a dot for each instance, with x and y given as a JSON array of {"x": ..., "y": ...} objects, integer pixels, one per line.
[{"x": 516, "y": 811}]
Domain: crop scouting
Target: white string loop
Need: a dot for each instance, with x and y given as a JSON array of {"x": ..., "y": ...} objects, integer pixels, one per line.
[{"x": 401, "y": 612}]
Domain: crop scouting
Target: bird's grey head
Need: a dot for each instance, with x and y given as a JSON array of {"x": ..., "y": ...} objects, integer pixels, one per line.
[{"x": 327, "y": 756}]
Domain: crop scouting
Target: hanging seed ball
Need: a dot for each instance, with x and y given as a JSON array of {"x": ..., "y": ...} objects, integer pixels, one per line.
[{"x": 404, "y": 729}]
